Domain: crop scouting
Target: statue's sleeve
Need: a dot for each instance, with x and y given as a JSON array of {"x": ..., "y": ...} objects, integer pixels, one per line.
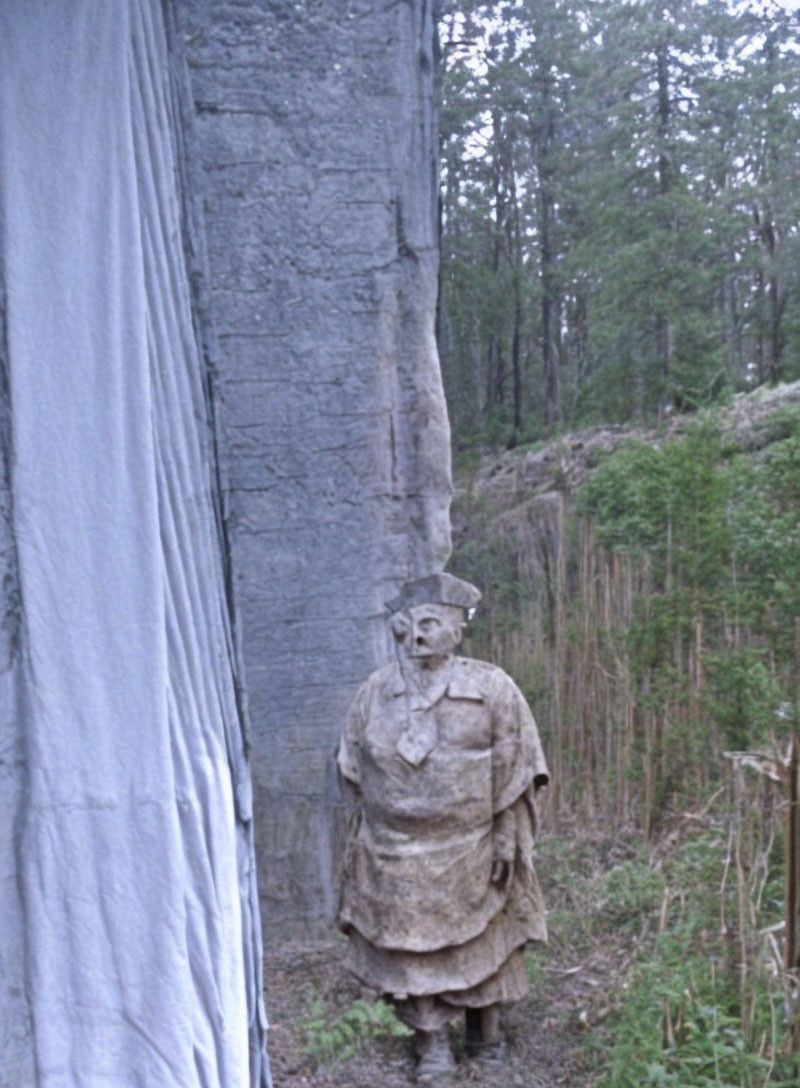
[
  {"x": 517, "y": 757},
  {"x": 348, "y": 758}
]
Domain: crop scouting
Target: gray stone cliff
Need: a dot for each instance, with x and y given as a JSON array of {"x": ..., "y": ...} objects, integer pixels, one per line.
[{"x": 315, "y": 161}]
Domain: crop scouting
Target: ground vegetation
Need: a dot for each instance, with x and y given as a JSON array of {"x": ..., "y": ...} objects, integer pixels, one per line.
[{"x": 642, "y": 586}]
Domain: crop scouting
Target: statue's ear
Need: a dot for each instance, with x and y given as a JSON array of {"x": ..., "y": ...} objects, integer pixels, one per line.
[
  {"x": 399, "y": 625},
  {"x": 459, "y": 631}
]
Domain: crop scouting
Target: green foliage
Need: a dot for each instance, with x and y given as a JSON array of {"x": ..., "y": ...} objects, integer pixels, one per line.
[
  {"x": 669, "y": 606},
  {"x": 685, "y": 1014},
  {"x": 488, "y": 560},
  {"x": 619, "y": 209},
  {"x": 668, "y": 500},
  {"x": 332, "y": 1036},
  {"x": 784, "y": 422},
  {"x": 680, "y": 1021},
  {"x": 629, "y": 495},
  {"x": 742, "y": 696},
  {"x": 722, "y": 537},
  {"x": 706, "y": 1045},
  {"x": 630, "y": 890},
  {"x": 538, "y": 978}
]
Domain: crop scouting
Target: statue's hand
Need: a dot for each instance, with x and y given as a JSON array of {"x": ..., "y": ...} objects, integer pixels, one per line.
[{"x": 501, "y": 870}]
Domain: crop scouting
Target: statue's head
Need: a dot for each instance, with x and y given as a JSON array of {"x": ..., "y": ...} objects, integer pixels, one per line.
[{"x": 428, "y": 617}]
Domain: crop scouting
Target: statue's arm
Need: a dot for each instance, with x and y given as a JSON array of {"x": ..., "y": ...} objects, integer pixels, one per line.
[
  {"x": 348, "y": 757},
  {"x": 348, "y": 766},
  {"x": 351, "y": 802},
  {"x": 517, "y": 757},
  {"x": 519, "y": 769},
  {"x": 504, "y": 845}
]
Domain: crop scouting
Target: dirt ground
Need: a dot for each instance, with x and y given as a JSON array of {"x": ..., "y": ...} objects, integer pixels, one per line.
[
  {"x": 555, "y": 1037},
  {"x": 547, "y": 1033}
]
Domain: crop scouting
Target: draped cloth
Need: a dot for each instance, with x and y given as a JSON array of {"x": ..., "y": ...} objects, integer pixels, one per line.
[
  {"x": 424, "y": 918},
  {"x": 130, "y": 947}
]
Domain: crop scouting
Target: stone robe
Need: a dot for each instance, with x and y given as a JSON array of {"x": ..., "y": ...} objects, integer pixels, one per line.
[{"x": 426, "y": 924}]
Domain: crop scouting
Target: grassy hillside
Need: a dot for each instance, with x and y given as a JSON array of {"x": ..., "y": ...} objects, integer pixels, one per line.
[{"x": 644, "y": 591}]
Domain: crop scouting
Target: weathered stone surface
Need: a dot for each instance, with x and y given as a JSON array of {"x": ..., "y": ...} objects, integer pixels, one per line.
[
  {"x": 440, "y": 760},
  {"x": 315, "y": 162}
]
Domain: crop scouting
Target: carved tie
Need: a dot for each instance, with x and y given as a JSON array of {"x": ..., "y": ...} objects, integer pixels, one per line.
[{"x": 419, "y": 737}]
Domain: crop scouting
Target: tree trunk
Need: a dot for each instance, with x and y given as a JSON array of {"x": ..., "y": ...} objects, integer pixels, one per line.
[
  {"x": 516, "y": 368},
  {"x": 550, "y": 305},
  {"x": 662, "y": 319}
]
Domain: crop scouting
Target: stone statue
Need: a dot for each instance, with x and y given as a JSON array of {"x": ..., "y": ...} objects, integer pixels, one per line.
[{"x": 439, "y": 762}]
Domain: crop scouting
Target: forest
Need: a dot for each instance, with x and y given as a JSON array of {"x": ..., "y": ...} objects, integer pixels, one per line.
[
  {"x": 619, "y": 210},
  {"x": 619, "y": 328}
]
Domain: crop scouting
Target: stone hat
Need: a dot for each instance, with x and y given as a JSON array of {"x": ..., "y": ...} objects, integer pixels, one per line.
[{"x": 436, "y": 589}]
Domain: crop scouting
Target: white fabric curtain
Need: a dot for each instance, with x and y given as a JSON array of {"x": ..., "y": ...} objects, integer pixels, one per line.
[{"x": 129, "y": 934}]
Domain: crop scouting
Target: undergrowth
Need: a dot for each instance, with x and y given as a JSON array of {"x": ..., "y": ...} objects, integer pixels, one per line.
[
  {"x": 680, "y": 1026},
  {"x": 652, "y": 618},
  {"x": 331, "y": 1036},
  {"x": 691, "y": 1012}
]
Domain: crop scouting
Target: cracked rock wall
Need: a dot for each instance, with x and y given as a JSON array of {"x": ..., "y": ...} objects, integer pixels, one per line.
[{"x": 315, "y": 160}]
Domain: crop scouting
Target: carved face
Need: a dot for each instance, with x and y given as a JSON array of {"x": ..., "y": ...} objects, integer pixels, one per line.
[{"x": 428, "y": 632}]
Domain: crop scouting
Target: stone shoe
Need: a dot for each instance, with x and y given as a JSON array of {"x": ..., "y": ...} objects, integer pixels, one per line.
[
  {"x": 489, "y": 1053},
  {"x": 483, "y": 1039},
  {"x": 435, "y": 1061}
]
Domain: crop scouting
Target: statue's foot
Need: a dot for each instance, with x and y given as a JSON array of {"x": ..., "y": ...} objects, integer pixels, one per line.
[
  {"x": 483, "y": 1039},
  {"x": 435, "y": 1061},
  {"x": 490, "y": 1053}
]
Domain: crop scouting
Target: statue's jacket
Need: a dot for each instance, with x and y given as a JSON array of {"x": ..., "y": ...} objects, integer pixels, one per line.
[{"x": 423, "y": 835}]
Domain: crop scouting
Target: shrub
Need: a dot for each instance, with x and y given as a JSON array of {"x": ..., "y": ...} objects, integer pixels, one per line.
[{"x": 332, "y": 1036}]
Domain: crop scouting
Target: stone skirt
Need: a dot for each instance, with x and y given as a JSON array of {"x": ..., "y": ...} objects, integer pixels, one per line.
[
  {"x": 429, "y": 989},
  {"x": 509, "y": 983}
]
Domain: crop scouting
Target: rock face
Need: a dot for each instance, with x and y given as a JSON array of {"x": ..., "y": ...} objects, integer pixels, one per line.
[{"x": 314, "y": 158}]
